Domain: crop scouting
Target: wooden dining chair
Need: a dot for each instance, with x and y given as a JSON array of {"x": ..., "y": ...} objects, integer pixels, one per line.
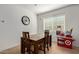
[
  {"x": 44, "y": 45},
  {"x": 25, "y": 42}
]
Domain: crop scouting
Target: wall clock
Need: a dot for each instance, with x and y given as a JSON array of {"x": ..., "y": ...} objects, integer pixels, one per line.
[{"x": 25, "y": 20}]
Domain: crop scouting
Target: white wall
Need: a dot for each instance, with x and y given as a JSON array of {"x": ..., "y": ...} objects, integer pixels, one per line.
[
  {"x": 10, "y": 30},
  {"x": 71, "y": 20}
]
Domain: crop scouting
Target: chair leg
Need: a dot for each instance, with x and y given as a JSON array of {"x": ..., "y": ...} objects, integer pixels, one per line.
[
  {"x": 22, "y": 47},
  {"x": 47, "y": 47},
  {"x": 22, "y": 51},
  {"x": 44, "y": 51}
]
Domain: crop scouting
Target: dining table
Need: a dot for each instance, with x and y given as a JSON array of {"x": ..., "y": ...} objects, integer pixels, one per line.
[{"x": 35, "y": 40}]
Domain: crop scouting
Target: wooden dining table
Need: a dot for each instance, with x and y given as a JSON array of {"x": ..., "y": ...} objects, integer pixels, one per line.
[{"x": 37, "y": 39}]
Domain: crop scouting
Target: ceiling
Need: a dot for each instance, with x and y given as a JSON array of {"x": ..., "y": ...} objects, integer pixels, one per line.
[{"x": 40, "y": 8}]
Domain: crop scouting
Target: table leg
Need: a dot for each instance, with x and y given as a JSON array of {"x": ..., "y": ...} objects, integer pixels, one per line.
[
  {"x": 44, "y": 48},
  {"x": 28, "y": 49},
  {"x": 50, "y": 40},
  {"x": 36, "y": 48}
]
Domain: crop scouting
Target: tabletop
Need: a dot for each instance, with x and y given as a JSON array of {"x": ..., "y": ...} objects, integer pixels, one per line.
[{"x": 36, "y": 37}]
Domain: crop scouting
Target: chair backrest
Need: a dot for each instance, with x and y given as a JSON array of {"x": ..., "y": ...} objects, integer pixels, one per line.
[
  {"x": 46, "y": 33},
  {"x": 25, "y": 34}
]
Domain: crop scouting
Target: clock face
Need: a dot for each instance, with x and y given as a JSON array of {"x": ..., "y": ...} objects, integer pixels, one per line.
[{"x": 25, "y": 20}]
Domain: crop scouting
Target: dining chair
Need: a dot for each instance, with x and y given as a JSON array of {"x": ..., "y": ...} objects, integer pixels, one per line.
[
  {"x": 25, "y": 42},
  {"x": 44, "y": 45}
]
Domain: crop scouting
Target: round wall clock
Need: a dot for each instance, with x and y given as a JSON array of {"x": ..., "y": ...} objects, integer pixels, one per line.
[{"x": 25, "y": 20}]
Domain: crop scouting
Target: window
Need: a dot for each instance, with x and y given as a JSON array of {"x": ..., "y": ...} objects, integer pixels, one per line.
[{"x": 51, "y": 23}]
